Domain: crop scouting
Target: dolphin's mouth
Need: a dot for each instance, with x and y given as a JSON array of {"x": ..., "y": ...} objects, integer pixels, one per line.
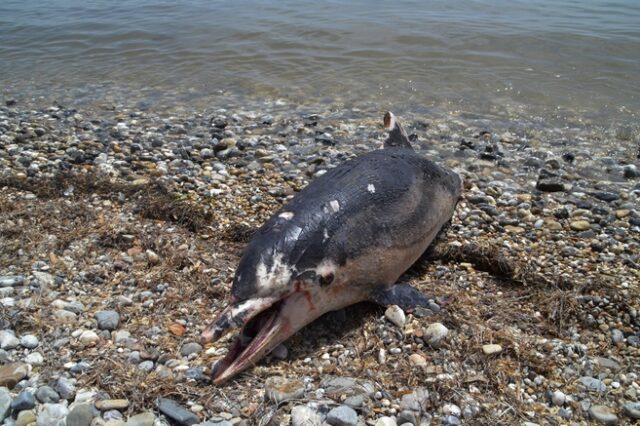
[{"x": 251, "y": 344}]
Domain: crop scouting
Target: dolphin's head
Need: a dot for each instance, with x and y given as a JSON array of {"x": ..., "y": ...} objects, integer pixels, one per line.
[{"x": 270, "y": 301}]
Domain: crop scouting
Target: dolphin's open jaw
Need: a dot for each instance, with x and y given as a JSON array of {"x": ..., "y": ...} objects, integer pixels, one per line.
[
  {"x": 264, "y": 326},
  {"x": 260, "y": 335}
]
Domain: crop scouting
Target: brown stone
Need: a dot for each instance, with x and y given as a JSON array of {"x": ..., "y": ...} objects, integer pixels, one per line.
[{"x": 11, "y": 374}]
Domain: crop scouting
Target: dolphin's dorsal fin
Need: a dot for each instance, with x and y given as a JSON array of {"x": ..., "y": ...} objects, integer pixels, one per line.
[{"x": 397, "y": 136}]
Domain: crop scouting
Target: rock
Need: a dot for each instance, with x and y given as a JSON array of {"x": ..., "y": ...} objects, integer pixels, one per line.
[
  {"x": 355, "y": 401},
  {"x": 5, "y": 403},
  {"x": 603, "y": 414},
  {"x": 107, "y": 320},
  {"x": 632, "y": 410},
  {"x": 415, "y": 401},
  {"x": 190, "y": 348},
  {"x": 386, "y": 421},
  {"x": 8, "y": 340},
  {"x": 616, "y": 336},
  {"x": 89, "y": 338},
  {"x": 279, "y": 389},
  {"x": 592, "y": 385},
  {"x": 44, "y": 280},
  {"x": 146, "y": 366},
  {"x": 112, "y": 404},
  {"x": 176, "y": 412},
  {"x": 301, "y": 415},
  {"x": 80, "y": 415},
  {"x": 29, "y": 341},
  {"x": 630, "y": 171},
  {"x": 491, "y": 349},
  {"x": 580, "y": 225},
  {"x": 335, "y": 387},
  {"x": 12, "y": 373},
  {"x": 11, "y": 280},
  {"x": 143, "y": 419},
  {"x": 550, "y": 185},
  {"x": 342, "y": 416},
  {"x": 451, "y": 409},
  {"x": 25, "y": 418},
  {"x": 280, "y": 352},
  {"x": 152, "y": 257},
  {"x": 608, "y": 363},
  {"x": 558, "y": 398},
  {"x": 65, "y": 388},
  {"x": 52, "y": 415},
  {"x": 24, "y": 401},
  {"x": 450, "y": 420},
  {"x": 417, "y": 360},
  {"x": 606, "y": 196},
  {"x": 45, "y": 394},
  {"x": 435, "y": 334},
  {"x": 396, "y": 315}
]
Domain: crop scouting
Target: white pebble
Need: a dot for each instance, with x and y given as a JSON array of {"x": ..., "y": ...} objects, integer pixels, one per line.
[{"x": 396, "y": 315}]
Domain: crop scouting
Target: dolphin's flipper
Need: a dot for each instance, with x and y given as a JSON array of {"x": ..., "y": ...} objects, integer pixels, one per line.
[{"x": 403, "y": 295}]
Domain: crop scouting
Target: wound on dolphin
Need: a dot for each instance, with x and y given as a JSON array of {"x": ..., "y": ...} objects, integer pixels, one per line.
[{"x": 345, "y": 238}]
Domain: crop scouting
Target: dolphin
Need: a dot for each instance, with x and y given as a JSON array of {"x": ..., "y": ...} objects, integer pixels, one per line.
[{"x": 345, "y": 238}]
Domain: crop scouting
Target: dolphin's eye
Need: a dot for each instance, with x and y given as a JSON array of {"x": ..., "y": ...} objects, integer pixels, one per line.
[{"x": 326, "y": 279}]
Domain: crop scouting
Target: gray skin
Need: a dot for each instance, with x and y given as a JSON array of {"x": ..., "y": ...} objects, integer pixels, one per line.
[{"x": 346, "y": 238}]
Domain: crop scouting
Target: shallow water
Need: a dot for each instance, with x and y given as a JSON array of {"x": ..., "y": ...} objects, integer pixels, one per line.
[{"x": 541, "y": 56}]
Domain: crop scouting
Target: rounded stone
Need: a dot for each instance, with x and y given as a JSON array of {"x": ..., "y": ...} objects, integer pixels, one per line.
[
  {"x": 386, "y": 421},
  {"x": 396, "y": 315},
  {"x": 558, "y": 398},
  {"x": 46, "y": 394},
  {"x": 29, "y": 341},
  {"x": 190, "y": 348},
  {"x": 107, "y": 320},
  {"x": 342, "y": 416},
  {"x": 436, "y": 333},
  {"x": 301, "y": 415},
  {"x": 603, "y": 414},
  {"x": 24, "y": 401},
  {"x": 491, "y": 349}
]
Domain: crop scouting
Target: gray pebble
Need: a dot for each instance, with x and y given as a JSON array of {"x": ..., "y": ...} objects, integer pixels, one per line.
[
  {"x": 107, "y": 320},
  {"x": 342, "y": 416},
  {"x": 24, "y": 401},
  {"x": 5, "y": 403},
  {"x": 143, "y": 419},
  {"x": 450, "y": 420},
  {"x": 29, "y": 341},
  {"x": 46, "y": 394},
  {"x": 603, "y": 414},
  {"x": 190, "y": 348},
  {"x": 632, "y": 409},
  {"x": 617, "y": 336},
  {"x": 302, "y": 415},
  {"x": 80, "y": 414},
  {"x": 592, "y": 385},
  {"x": 146, "y": 366},
  {"x": 558, "y": 398},
  {"x": 65, "y": 388},
  {"x": 52, "y": 415},
  {"x": 11, "y": 280},
  {"x": 176, "y": 412}
]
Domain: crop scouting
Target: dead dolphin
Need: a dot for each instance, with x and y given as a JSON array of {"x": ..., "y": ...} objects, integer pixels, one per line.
[{"x": 346, "y": 238}]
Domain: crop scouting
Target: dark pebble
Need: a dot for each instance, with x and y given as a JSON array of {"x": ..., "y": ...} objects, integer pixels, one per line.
[
  {"x": 549, "y": 185},
  {"x": 606, "y": 196},
  {"x": 24, "y": 401},
  {"x": 176, "y": 412}
]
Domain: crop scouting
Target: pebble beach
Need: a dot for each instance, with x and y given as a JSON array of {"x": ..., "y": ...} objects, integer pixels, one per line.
[{"x": 121, "y": 226}]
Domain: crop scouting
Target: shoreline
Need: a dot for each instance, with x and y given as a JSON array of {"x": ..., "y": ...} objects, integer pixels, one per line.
[{"x": 145, "y": 214}]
